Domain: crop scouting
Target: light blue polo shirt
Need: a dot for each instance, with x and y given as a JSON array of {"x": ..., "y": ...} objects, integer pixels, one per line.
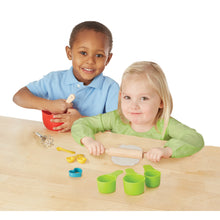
[{"x": 100, "y": 96}]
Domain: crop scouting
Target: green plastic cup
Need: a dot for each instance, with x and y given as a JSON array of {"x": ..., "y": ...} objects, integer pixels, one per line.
[
  {"x": 133, "y": 182},
  {"x": 107, "y": 183},
  {"x": 152, "y": 176}
]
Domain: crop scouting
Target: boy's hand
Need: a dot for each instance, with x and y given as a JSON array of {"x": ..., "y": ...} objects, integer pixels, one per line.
[
  {"x": 94, "y": 147},
  {"x": 155, "y": 154},
  {"x": 58, "y": 106},
  {"x": 67, "y": 119}
]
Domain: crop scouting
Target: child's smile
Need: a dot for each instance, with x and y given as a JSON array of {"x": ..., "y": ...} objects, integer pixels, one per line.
[{"x": 88, "y": 70}]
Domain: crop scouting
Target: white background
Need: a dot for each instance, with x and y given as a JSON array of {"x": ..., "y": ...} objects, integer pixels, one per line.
[{"x": 183, "y": 37}]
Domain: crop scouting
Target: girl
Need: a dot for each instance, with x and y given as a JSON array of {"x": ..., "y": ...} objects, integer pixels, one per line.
[{"x": 144, "y": 109}]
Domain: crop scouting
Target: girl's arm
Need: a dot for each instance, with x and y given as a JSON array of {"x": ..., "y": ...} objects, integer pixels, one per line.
[
  {"x": 183, "y": 140},
  {"x": 89, "y": 126}
]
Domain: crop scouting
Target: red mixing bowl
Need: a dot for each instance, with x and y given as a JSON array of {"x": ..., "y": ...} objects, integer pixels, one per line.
[{"x": 47, "y": 116}]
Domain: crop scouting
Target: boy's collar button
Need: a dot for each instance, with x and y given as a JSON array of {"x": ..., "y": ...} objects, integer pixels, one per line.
[{"x": 78, "y": 85}]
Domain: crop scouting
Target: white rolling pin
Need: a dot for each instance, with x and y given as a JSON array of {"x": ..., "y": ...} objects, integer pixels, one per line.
[{"x": 121, "y": 152}]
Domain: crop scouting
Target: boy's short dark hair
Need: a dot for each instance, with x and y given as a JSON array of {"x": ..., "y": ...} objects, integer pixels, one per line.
[{"x": 91, "y": 25}]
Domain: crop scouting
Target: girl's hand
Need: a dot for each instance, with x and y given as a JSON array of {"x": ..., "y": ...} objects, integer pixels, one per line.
[
  {"x": 94, "y": 147},
  {"x": 155, "y": 154},
  {"x": 67, "y": 119}
]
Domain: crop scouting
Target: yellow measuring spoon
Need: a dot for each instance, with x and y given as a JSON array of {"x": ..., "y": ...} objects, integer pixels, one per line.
[{"x": 63, "y": 149}]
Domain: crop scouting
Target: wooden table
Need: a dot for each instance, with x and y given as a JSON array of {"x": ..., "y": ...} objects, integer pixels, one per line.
[{"x": 36, "y": 178}]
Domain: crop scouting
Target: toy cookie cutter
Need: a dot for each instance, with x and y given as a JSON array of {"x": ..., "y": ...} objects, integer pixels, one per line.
[
  {"x": 133, "y": 182},
  {"x": 71, "y": 159},
  {"x": 79, "y": 157},
  {"x": 107, "y": 183},
  {"x": 76, "y": 172},
  {"x": 152, "y": 176}
]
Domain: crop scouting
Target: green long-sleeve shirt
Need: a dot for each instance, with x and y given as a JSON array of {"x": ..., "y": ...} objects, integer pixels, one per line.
[{"x": 183, "y": 141}]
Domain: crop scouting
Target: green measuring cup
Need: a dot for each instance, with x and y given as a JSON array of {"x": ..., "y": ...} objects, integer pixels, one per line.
[
  {"x": 152, "y": 176},
  {"x": 133, "y": 182},
  {"x": 107, "y": 183}
]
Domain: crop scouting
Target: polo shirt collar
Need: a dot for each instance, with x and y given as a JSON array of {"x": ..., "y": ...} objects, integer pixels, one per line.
[{"x": 71, "y": 79}]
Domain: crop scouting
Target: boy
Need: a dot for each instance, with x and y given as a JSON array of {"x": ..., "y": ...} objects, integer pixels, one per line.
[{"x": 89, "y": 50}]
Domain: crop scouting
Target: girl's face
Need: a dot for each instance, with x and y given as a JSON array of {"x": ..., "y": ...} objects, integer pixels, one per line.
[
  {"x": 139, "y": 102},
  {"x": 89, "y": 55}
]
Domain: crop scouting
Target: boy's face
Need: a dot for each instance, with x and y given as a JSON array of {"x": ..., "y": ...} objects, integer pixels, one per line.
[
  {"x": 139, "y": 102},
  {"x": 89, "y": 55}
]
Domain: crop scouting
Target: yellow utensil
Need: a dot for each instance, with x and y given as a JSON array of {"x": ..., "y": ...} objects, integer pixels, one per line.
[
  {"x": 79, "y": 157},
  {"x": 71, "y": 159},
  {"x": 63, "y": 149}
]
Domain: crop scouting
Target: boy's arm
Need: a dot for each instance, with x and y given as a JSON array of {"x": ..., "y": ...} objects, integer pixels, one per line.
[
  {"x": 184, "y": 141},
  {"x": 26, "y": 99}
]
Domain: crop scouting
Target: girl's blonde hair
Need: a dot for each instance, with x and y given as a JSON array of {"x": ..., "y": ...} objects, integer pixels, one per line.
[{"x": 157, "y": 79}]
